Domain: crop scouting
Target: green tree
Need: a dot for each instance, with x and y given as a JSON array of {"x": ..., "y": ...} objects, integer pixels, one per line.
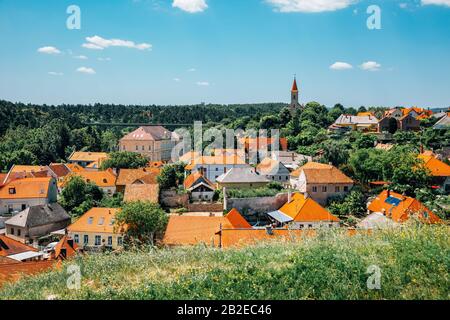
[
  {"x": 78, "y": 196},
  {"x": 171, "y": 176},
  {"x": 142, "y": 221},
  {"x": 125, "y": 160}
]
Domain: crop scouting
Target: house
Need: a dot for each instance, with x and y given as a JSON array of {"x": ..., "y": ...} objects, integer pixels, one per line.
[
  {"x": 65, "y": 249},
  {"x": 406, "y": 122},
  {"x": 154, "y": 142},
  {"x": 213, "y": 166},
  {"x": 438, "y": 169},
  {"x": 418, "y": 113},
  {"x": 273, "y": 170},
  {"x": 321, "y": 181},
  {"x": 88, "y": 160},
  {"x": 290, "y": 159},
  {"x": 105, "y": 180},
  {"x": 194, "y": 230},
  {"x": 96, "y": 229},
  {"x": 443, "y": 123},
  {"x": 302, "y": 212},
  {"x": 365, "y": 114},
  {"x": 141, "y": 192},
  {"x": 200, "y": 188},
  {"x": 37, "y": 221},
  {"x": 399, "y": 208},
  {"x": 18, "y": 251},
  {"x": 395, "y": 113},
  {"x": 17, "y": 195},
  {"x": 364, "y": 123},
  {"x": 237, "y": 178},
  {"x": 136, "y": 176}
]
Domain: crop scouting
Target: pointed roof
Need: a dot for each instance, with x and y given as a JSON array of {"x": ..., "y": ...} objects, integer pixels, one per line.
[
  {"x": 436, "y": 166},
  {"x": 196, "y": 178},
  {"x": 294, "y": 86},
  {"x": 237, "y": 221},
  {"x": 302, "y": 209}
]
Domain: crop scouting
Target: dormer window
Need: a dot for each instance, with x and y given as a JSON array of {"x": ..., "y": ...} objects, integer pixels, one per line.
[
  {"x": 105, "y": 181},
  {"x": 12, "y": 190},
  {"x": 101, "y": 221},
  {"x": 90, "y": 220}
]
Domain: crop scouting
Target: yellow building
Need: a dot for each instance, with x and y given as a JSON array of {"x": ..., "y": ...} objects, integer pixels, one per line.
[{"x": 96, "y": 229}]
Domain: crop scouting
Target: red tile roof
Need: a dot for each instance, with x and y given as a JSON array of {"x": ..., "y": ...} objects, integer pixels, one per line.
[{"x": 10, "y": 247}]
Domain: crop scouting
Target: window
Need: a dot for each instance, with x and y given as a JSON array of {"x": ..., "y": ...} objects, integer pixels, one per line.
[
  {"x": 337, "y": 189},
  {"x": 19, "y": 232},
  {"x": 314, "y": 189},
  {"x": 12, "y": 190},
  {"x": 345, "y": 189},
  {"x": 10, "y": 208},
  {"x": 98, "y": 240},
  {"x": 119, "y": 241},
  {"x": 110, "y": 241},
  {"x": 12, "y": 231},
  {"x": 86, "y": 239},
  {"x": 310, "y": 226},
  {"x": 324, "y": 189},
  {"x": 76, "y": 238},
  {"x": 137, "y": 148},
  {"x": 90, "y": 220},
  {"x": 217, "y": 169},
  {"x": 101, "y": 221},
  {"x": 330, "y": 225},
  {"x": 24, "y": 206},
  {"x": 111, "y": 222},
  {"x": 143, "y": 148}
]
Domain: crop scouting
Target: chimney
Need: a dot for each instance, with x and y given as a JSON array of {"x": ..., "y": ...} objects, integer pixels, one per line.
[{"x": 388, "y": 193}]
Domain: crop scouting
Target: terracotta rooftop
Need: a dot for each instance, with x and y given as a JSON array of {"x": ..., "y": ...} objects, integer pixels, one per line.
[
  {"x": 95, "y": 220},
  {"x": 436, "y": 166},
  {"x": 150, "y": 133},
  {"x": 302, "y": 209},
  {"x": 130, "y": 176},
  {"x": 87, "y": 156},
  {"x": 196, "y": 178},
  {"x": 10, "y": 247},
  {"x": 322, "y": 173},
  {"x": 141, "y": 192},
  {"x": 100, "y": 178},
  {"x": 26, "y": 188}
]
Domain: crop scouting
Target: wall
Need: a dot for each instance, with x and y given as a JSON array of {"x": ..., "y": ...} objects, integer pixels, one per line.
[
  {"x": 171, "y": 199},
  {"x": 17, "y": 204},
  {"x": 257, "y": 205},
  {"x": 205, "y": 207}
]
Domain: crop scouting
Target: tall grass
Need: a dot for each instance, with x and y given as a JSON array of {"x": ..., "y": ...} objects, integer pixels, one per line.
[{"x": 414, "y": 263}]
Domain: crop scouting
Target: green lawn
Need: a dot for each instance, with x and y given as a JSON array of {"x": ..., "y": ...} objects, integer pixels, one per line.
[{"x": 414, "y": 263}]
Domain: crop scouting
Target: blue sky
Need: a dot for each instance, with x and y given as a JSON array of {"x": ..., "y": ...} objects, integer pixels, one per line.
[{"x": 225, "y": 51}]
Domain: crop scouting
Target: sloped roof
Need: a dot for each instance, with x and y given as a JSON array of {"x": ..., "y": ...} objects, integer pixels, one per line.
[
  {"x": 14, "y": 271},
  {"x": 129, "y": 176},
  {"x": 10, "y": 247},
  {"x": 95, "y": 220},
  {"x": 28, "y": 169},
  {"x": 365, "y": 114},
  {"x": 215, "y": 160},
  {"x": 70, "y": 248},
  {"x": 302, "y": 209},
  {"x": 100, "y": 178},
  {"x": 149, "y": 133},
  {"x": 345, "y": 119},
  {"x": 322, "y": 173},
  {"x": 241, "y": 175},
  {"x": 399, "y": 207},
  {"x": 141, "y": 192},
  {"x": 443, "y": 123},
  {"x": 269, "y": 166},
  {"x": 294, "y": 86},
  {"x": 39, "y": 215},
  {"x": 26, "y": 188},
  {"x": 195, "y": 178},
  {"x": 236, "y": 220},
  {"x": 436, "y": 166},
  {"x": 60, "y": 169},
  {"x": 88, "y": 156}
]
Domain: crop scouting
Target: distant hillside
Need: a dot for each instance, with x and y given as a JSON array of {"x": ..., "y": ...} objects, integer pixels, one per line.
[{"x": 414, "y": 264}]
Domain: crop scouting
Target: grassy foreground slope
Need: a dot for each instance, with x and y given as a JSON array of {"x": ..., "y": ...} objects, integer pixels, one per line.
[{"x": 414, "y": 263}]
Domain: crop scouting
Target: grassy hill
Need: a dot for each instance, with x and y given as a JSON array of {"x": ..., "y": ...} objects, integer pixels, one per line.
[{"x": 414, "y": 263}]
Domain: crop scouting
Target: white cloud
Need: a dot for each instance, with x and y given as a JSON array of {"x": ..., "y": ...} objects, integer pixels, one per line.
[
  {"x": 192, "y": 70},
  {"x": 310, "y": 5},
  {"x": 370, "y": 66},
  {"x": 403, "y": 5},
  {"x": 104, "y": 59},
  {"x": 81, "y": 57},
  {"x": 176, "y": 79},
  {"x": 203, "y": 83},
  {"x": 86, "y": 70},
  {"x": 49, "y": 50},
  {"x": 436, "y": 2},
  {"x": 53, "y": 73},
  {"x": 341, "y": 66},
  {"x": 99, "y": 43},
  {"x": 191, "y": 6}
]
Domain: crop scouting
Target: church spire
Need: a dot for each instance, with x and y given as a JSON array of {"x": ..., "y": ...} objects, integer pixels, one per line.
[
  {"x": 294, "y": 95},
  {"x": 294, "y": 85}
]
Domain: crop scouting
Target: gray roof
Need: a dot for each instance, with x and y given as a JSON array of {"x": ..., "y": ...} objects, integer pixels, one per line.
[
  {"x": 444, "y": 123},
  {"x": 376, "y": 220},
  {"x": 39, "y": 215},
  {"x": 280, "y": 216},
  {"x": 349, "y": 119},
  {"x": 241, "y": 175}
]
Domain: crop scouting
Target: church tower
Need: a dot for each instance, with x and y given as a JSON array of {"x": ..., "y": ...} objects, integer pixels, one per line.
[{"x": 294, "y": 96}]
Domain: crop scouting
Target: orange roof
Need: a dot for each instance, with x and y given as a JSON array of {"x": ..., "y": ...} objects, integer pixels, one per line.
[
  {"x": 26, "y": 188},
  {"x": 2, "y": 178},
  {"x": 10, "y": 247},
  {"x": 195, "y": 178},
  {"x": 130, "y": 176},
  {"x": 262, "y": 142},
  {"x": 14, "y": 271},
  {"x": 96, "y": 220},
  {"x": 141, "y": 192},
  {"x": 303, "y": 209},
  {"x": 156, "y": 164},
  {"x": 88, "y": 156},
  {"x": 322, "y": 173},
  {"x": 399, "y": 207},
  {"x": 189, "y": 230},
  {"x": 70, "y": 249},
  {"x": 436, "y": 166},
  {"x": 236, "y": 220},
  {"x": 101, "y": 179},
  {"x": 365, "y": 114},
  {"x": 244, "y": 237},
  {"x": 188, "y": 157},
  {"x": 73, "y": 167},
  {"x": 294, "y": 86},
  {"x": 27, "y": 169}
]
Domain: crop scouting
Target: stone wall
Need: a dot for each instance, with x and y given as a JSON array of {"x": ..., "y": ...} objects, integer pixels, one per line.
[
  {"x": 205, "y": 207},
  {"x": 171, "y": 199},
  {"x": 257, "y": 205}
]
